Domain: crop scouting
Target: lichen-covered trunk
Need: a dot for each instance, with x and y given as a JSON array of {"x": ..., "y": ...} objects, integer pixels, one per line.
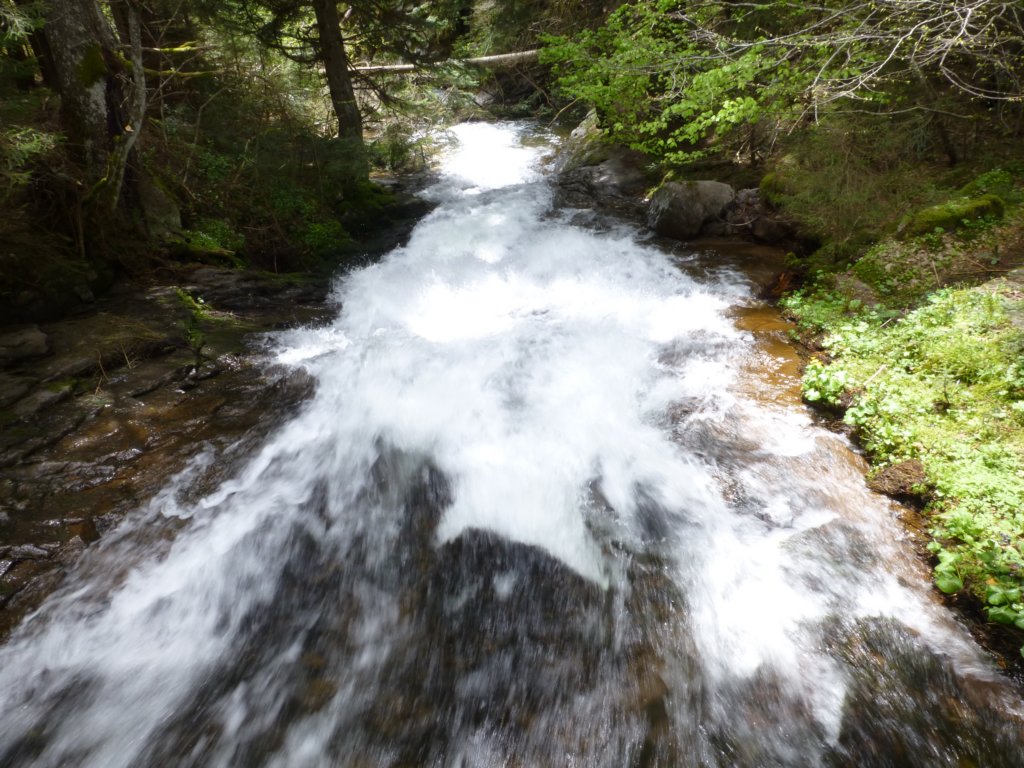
[
  {"x": 84, "y": 68},
  {"x": 339, "y": 82},
  {"x": 108, "y": 191}
]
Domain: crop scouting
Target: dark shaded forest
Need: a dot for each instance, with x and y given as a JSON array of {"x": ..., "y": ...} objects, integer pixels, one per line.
[{"x": 135, "y": 135}]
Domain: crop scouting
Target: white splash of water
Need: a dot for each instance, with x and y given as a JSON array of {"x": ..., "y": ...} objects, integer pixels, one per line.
[{"x": 531, "y": 362}]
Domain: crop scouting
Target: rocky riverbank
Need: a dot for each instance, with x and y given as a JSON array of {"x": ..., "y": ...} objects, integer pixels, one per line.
[{"x": 98, "y": 410}]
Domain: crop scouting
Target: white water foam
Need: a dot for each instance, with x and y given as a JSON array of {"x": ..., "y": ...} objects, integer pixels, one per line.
[{"x": 530, "y": 362}]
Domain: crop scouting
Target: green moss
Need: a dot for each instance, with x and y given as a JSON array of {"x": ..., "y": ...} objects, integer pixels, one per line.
[
  {"x": 92, "y": 68},
  {"x": 61, "y": 385},
  {"x": 998, "y": 181},
  {"x": 775, "y": 187},
  {"x": 901, "y": 274},
  {"x": 215, "y": 235},
  {"x": 953, "y": 214}
]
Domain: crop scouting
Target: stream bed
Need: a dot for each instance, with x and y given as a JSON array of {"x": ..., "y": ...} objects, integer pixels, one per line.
[{"x": 553, "y": 501}]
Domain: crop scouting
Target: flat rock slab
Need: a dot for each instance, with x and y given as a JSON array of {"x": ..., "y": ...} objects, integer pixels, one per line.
[
  {"x": 13, "y": 388},
  {"x": 22, "y": 343}
]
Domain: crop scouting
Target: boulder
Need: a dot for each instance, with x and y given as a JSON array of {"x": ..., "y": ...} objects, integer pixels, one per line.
[
  {"x": 681, "y": 209},
  {"x": 595, "y": 174},
  {"x": 901, "y": 480},
  {"x": 22, "y": 343},
  {"x": 615, "y": 184},
  {"x": 586, "y": 146},
  {"x": 952, "y": 214},
  {"x": 747, "y": 216}
]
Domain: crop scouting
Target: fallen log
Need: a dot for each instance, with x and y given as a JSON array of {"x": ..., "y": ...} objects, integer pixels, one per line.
[{"x": 491, "y": 62}]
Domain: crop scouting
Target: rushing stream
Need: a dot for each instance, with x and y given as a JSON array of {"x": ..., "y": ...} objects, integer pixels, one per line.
[{"x": 552, "y": 504}]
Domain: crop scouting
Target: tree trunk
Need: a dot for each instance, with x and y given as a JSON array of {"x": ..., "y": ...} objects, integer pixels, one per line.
[
  {"x": 80, "y": 45},
  {"x": 108, "y": 190},
  {"x": 339, "y": 82}
]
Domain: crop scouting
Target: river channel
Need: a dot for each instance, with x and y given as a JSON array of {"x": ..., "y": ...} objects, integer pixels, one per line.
[{"x": 553, "y": 502}]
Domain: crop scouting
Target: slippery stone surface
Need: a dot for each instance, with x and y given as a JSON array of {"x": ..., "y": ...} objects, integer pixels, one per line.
[
  {"x": 616, "y": 184},
  {"x": 99, "y": 410},
  {"x": 681, "y": 209},
  {"x": 13, "y": 388},
  {"x": 592, "y": 174},
  {"x": 22, "y": 343}
]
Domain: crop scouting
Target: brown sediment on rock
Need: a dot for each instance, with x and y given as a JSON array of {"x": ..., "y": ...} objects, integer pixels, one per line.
[{"x": 900, "y": 480}]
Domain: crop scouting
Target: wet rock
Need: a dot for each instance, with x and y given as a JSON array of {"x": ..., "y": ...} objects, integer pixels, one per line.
[
  {"x": 25, "y": 552},
  {"x": 22, "y": 343},
  {"x": 681, "y": 209},
  {"x": 72, "y": 550},
  {"x": 771, "y": 229},
  {"x": 153, "y": 378},
  {"x": 616, "y": 184},
  {"x": 748, "y": 215},
  {"x": 882, "y": 726},
  {"x": 13, "y": 388},
  {"x": 586, "y": 146},
  {"x": 901, "y": 479},
  {"x": 591, "y": 173},
  {"x": 44, "y": 398},
  {"x": 238, "y": 290}
]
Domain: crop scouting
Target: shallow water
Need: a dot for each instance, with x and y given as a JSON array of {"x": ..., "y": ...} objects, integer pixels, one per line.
[{"x": 554, "y": 502}]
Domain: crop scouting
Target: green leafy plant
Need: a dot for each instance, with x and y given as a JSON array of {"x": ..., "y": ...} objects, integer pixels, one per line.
[
  {"x": 824, "y": 383},
  {"x": 942, "y": 384}
]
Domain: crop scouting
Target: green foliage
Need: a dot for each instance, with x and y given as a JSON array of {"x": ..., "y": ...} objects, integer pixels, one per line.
[
  {"x": 20, "y": 148},
  {"x": 511, "y": 25},
  {"x": 261, "y": 180},
  {"x": 870, "y": 166},
  {"x": 659, "y": 89},
  {"x": 1000, "y": 182},
  {"x": 215, "y": 235},
  {"x": 401, "y": 148},
  {"x": 824, "y": 384},
  {"x": 17, "y": 22},
  {"x": 944, "y": 384},
  {"x": 952, "y": 214}
]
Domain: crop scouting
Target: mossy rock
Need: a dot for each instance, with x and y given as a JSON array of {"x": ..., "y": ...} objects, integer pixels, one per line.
[
  {"x": 998, "y": 181},
  {"x": 586, "y": 146},
  {"x": 899, "y": 274},
  {"x": 953, "y": 214},
  {"x": 775, "y": 186}
]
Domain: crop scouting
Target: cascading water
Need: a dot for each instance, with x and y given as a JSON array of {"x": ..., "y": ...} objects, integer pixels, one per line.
[{"x": 534, "y": 515}]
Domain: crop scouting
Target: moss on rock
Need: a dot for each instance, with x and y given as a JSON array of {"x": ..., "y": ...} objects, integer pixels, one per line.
[{"x": 953, "y": 214}]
